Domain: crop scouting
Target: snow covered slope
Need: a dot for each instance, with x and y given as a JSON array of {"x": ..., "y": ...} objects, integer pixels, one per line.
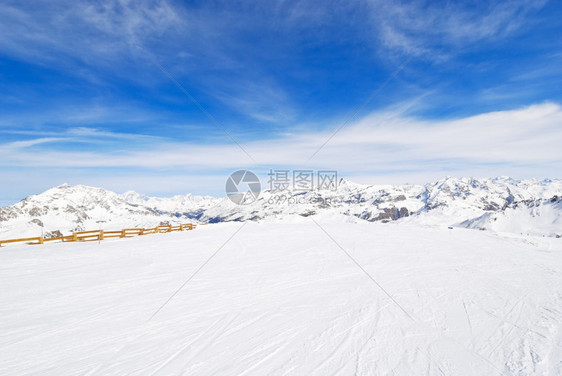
[
  {"x": 284, "y": 299},
  {"x": 500, "y": 204},
  {"x": 530, "y": 217}
]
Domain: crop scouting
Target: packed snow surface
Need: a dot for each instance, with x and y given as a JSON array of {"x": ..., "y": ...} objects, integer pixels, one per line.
[{"x": 285, "y": 299}]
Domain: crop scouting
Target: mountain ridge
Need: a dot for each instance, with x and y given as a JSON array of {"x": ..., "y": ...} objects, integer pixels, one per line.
[{"x": 500, "y": 204}]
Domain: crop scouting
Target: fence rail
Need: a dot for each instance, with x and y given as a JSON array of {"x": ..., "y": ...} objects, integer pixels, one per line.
[{"x": 98, "y": 235}]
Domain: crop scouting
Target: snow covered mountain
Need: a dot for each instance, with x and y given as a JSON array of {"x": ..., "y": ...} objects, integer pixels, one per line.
[
  {"x": 188, "y": 206},
  {"x": 501, "y": 204},
  {"x": 65, "y": 209}
]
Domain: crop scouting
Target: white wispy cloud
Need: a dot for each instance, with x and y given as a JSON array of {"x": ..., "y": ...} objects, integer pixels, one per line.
[
  {"x": 118, "y": 36},
  {"x": 98, "y": 33},
  {"x": 124, "y": 38},
  {"x": 384, "y": 147},
  {"x": 15, "y": 146},
  {"x": 70, "y": 114},
  {"x": 73, "y": 135},
  {"x": 382, "y": 140},
  {"x": 266, "y": 103},
  {"x": 436, "y": 31}
]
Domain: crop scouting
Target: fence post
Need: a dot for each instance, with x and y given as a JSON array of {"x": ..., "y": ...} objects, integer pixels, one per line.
[
  {"x": 41, "y": 240},
  {"x": 122, "y": 234},
  {"x": 74, "y": 237},
  {"x": 101, "y": 234}
]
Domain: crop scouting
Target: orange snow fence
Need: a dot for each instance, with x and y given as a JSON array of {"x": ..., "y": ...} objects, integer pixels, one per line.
[{"x": 98, "y": 235}]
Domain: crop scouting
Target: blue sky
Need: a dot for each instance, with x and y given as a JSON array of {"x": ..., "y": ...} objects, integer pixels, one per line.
[{"x": 84, "y": 101}]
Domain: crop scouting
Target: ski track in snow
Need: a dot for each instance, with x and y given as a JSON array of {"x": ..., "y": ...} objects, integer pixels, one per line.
[{"x": 283, "y": 299}]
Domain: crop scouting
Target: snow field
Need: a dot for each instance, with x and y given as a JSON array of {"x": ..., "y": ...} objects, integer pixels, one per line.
[{"x": 284, "y": 299}]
